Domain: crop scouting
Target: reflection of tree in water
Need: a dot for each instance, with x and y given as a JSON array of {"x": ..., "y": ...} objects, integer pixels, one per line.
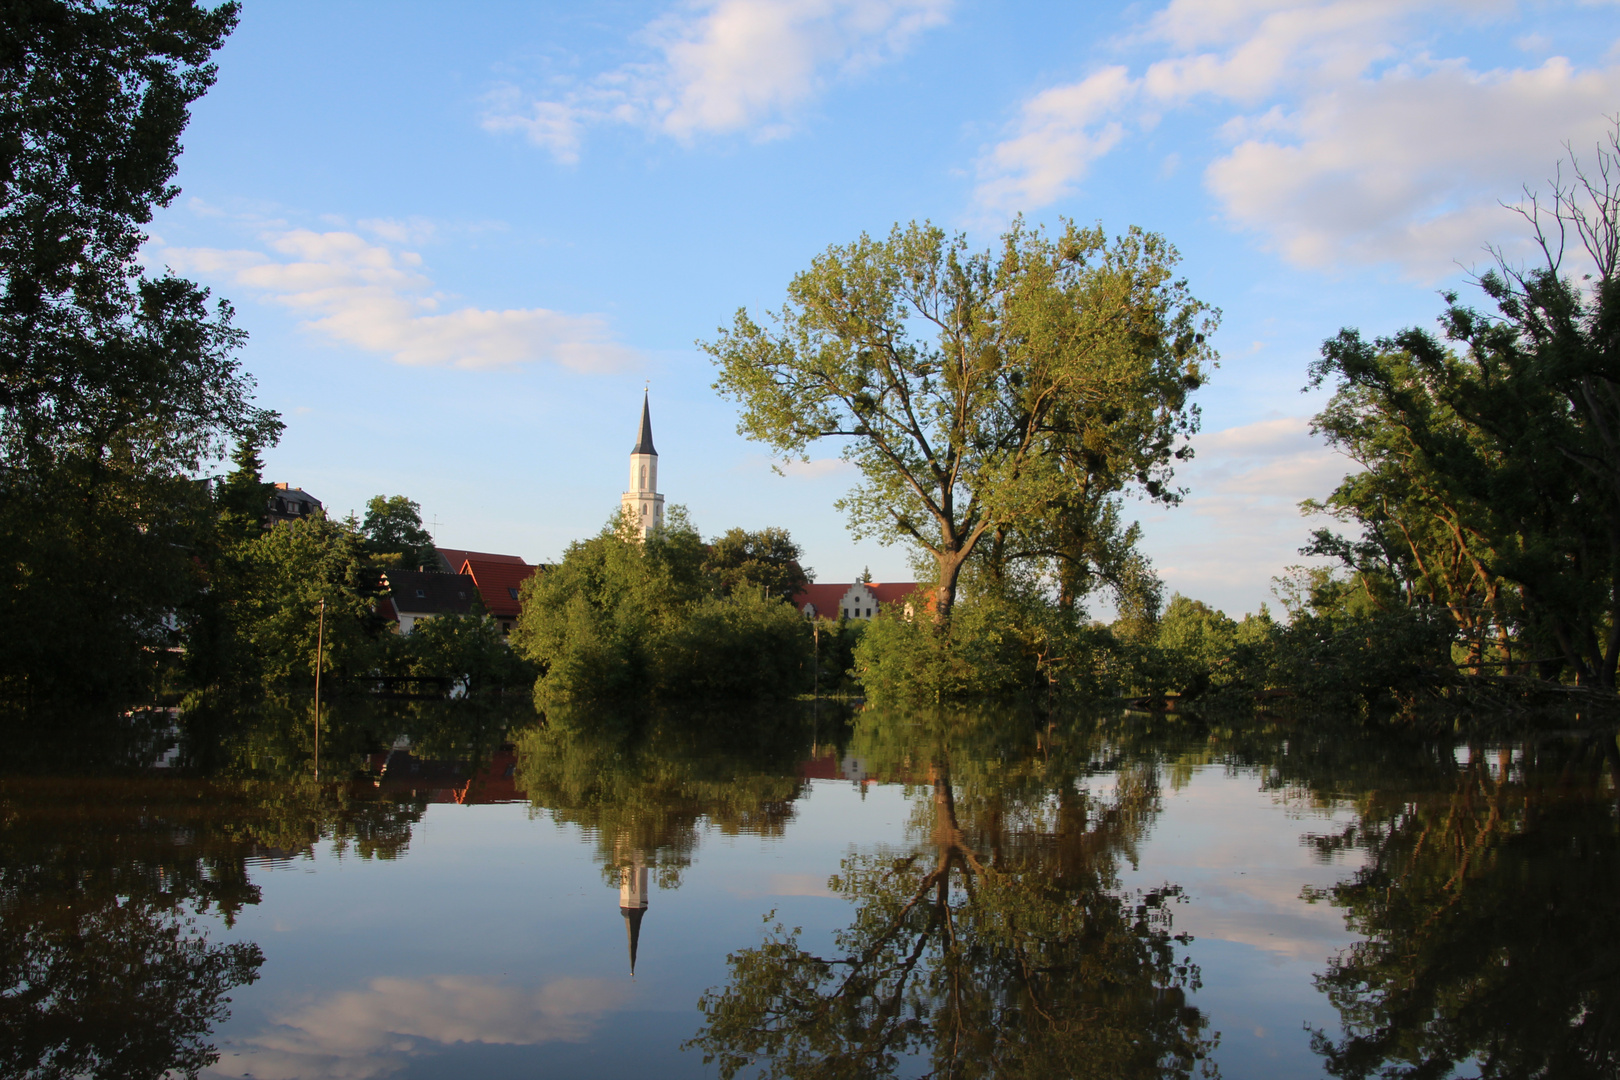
[
  {"x": 643, "y": 787},
  {"x": 104, "y": 970},
  {"x": 999, "y": 945},
  {"x": 106, "y": 881},
  {"x": 1488, "y": 906}
]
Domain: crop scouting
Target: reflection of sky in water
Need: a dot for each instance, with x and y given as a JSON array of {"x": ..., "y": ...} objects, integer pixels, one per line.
[{"x": 495, "y": 946}]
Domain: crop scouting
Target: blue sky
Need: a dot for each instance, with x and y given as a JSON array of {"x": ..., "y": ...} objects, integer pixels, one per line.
[{"x": 464, "y": 238}]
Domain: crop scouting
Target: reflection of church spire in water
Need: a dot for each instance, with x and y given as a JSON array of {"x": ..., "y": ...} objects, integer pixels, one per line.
[{"x": 633, "y": 902}]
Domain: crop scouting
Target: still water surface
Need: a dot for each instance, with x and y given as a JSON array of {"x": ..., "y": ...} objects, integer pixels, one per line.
[{"x": 975, "y": 895}]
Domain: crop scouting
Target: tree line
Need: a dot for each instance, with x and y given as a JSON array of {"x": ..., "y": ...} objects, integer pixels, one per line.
[{"x": 1000, "y": 406}]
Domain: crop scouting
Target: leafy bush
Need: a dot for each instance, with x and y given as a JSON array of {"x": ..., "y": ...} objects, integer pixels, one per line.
[
  {"x": 742, "y": 646},
  {"x": 624, "y": 617},
  {"x": 986, "y": 651},
  {"x": 466, "y": 648}
]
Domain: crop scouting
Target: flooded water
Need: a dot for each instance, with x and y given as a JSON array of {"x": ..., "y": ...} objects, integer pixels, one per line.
[{"x": 720, "y": 893}]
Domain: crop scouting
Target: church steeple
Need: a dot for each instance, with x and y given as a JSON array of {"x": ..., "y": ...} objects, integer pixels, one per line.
[
  {"x": 643, "y": 502},
  {"x": 632, "y": 924},
  {"x": 633, "y": 901},
  {"x": 644, "y": 443}
]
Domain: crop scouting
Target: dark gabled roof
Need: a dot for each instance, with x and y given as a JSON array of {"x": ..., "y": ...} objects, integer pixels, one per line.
[
  {"x": 415, "y": 592},
  {"x": 644, "y": 443}
]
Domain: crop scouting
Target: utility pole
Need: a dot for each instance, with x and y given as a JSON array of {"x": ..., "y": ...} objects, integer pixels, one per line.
[
  {"x": 320, "y": 643},
  {"x": 815, "y": 633}
]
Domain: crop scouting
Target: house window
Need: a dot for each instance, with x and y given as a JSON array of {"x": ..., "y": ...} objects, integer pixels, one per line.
[
  {"x": 512, "y": 593},
  {"x": 421, "y": 593}
]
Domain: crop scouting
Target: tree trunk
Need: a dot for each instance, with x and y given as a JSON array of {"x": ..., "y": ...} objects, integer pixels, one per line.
[{"x": 950, "y": 569}]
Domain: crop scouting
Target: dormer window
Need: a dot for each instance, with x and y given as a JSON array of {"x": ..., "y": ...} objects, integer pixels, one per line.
[
  {"x": 421, "y": 594},
  {"x": 513, "y": 593}
]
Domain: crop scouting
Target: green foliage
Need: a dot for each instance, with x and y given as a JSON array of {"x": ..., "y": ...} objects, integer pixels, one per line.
[
  {"x": 1338, "y": 650},
  {"x": 1491, "y": 488},
  {"x": 983, "y": 653},
  {"x": 1057, "y": 374},
  {"x": 590, "y": 621},
  {"x": 742, "y": 646},
  {"x": 468, "y": 649},
  {"x": 289, "y": 572},
  {"x": 393, "y": 528},
  {"x": 1000, "y": 645},
  {"x": 833, "y": 654},
  {"x": 1378, "y": 661},
  {"x": 114, "y": 386},
  {"x": 241, "y": 499},
  {"x": 620, "y": 617},
  {"x": 766, "y": 561}
]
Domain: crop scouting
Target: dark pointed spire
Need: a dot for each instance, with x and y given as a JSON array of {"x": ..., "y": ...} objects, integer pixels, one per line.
[
  {"x": 632, "y": 925},
  {"x": 644, "y": 440}
]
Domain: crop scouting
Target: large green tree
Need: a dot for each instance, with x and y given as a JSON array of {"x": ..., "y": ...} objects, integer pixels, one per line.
[
  {"x": 766, "y": 561},
  {"x": 623, "y": 617},
  {"x": 115, "y": 386},
  {"x": 393, "y": 526},
  {"x": 979, "y": 393},
  {"x": 1492, "y": 456}
]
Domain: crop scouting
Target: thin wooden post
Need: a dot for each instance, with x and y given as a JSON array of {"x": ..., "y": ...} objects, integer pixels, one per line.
[
  {"x": 815, "y": 686},
  {"x": 320, "y": 644}
]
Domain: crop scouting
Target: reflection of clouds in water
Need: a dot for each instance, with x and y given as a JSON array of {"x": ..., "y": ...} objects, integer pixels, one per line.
[
  {"x": 1238, "y": 851},
  {"x": 359, "y": 1034},
  {"x": 799, "y": 885},
  {"x": 1264, "y": 911}
]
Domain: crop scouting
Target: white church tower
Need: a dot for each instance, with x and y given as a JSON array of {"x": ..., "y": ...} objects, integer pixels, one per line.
[{"x": 645, "y": 505}]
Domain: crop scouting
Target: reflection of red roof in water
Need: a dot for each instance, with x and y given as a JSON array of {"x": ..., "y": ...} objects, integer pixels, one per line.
[
  {"x": 398, "y": 772},
  {"x": 826, "y": 767}
]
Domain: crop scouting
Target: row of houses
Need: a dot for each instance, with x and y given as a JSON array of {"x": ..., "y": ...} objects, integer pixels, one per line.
[
  {"x": 496, "y": 581},
  {"x": 463, "y": 577}
]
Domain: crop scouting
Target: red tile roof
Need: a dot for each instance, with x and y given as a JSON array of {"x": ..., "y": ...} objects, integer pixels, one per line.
[
  {"x": 454, "y": 557},
  {"x": 499, "y": 579},
  {"x": 827, "y": 596},
  {"x": 891, "y": 591}
]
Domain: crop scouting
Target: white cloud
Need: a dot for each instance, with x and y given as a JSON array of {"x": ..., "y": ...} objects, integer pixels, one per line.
[
  {"x": 723, "y": 66},
  {"x": 412, "y": 230},
  {"x": 1348, "y": 141},
  {"x": 1060, "y": 133},
  {"x": 376, "y": 298},
  {"x": 816, "y": 469},
  {"x": 1240, "y": 523},
  {"x": 1411, "y": 166},
  {"x": 551, "y": 125},
  {"x": 359, "y": 1034}
]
